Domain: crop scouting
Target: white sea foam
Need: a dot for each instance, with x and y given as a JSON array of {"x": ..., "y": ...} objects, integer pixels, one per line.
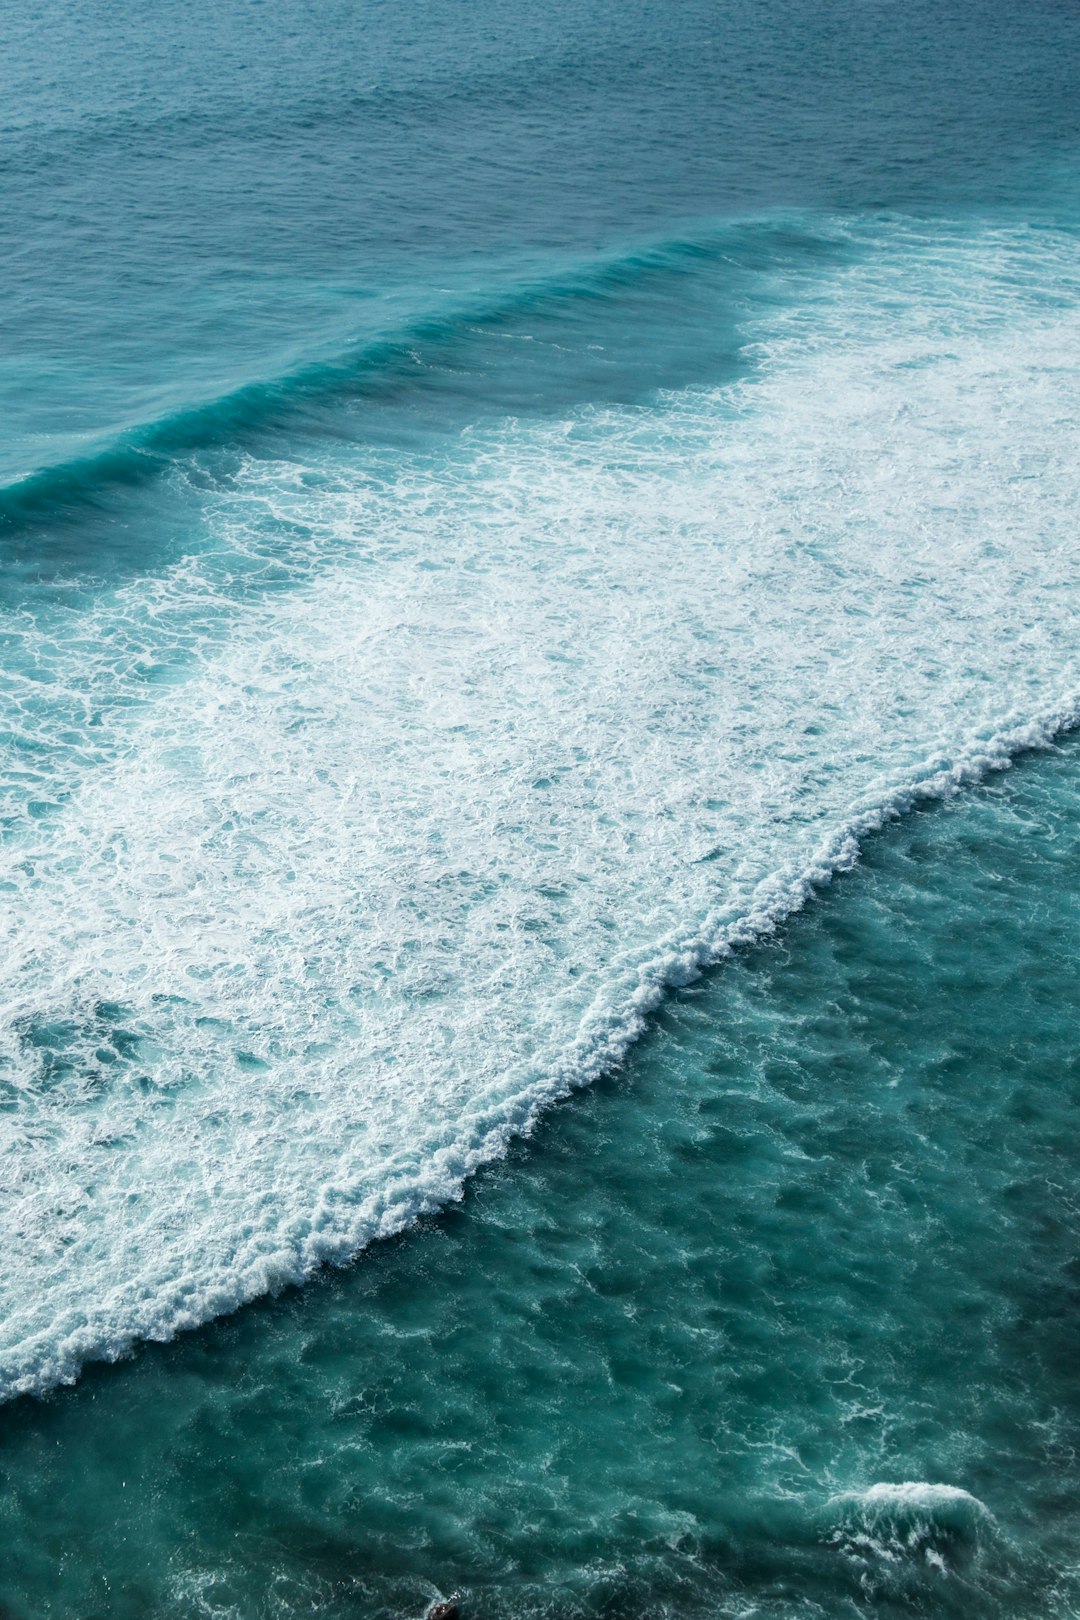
[
  {"x": 337, "y": 854},
  {"x": 915, "y": 1494},
  {"x": 910, "y": 1526}
]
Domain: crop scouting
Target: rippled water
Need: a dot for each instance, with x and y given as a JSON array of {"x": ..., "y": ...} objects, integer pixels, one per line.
[
  {"x": 496, "y": 509},
  {"x": 782, "y": 1320}
]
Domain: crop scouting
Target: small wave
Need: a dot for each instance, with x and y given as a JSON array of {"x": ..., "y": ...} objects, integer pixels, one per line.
[
  {"x": 911, "y": 1494},
  {"x": 892, "y": 1532},
  {"x": 415, "y": 356}
]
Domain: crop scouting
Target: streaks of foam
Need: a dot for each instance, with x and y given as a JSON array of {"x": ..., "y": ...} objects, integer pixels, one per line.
[{"x": 317, "y": 891}]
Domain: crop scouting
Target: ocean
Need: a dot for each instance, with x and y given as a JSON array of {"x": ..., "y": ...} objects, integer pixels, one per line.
[{"x": 540, "y": 817}]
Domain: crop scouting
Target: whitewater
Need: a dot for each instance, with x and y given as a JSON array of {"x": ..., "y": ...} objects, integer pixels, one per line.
[{"x": 341, "y": 844}]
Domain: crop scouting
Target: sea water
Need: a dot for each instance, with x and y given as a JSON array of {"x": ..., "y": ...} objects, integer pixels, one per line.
[
  {"x": 498, "y": 509},
  {"x": 780, "y": 1319}
]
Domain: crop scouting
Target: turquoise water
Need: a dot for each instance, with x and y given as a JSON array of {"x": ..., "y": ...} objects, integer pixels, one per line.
[
  {"x": 818, "y": 1237},
  {"x": 498, "y": 508}
]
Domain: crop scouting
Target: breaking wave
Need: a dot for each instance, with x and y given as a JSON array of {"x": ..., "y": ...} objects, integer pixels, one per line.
[
  {"x": 427, "y": 349},
  {"x": 342, "y": 846}
]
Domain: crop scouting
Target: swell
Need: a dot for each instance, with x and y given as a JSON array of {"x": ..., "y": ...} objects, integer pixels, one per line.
[
  {"x": 604, "y": 1040},
  {"x": 428, "y": 353}
]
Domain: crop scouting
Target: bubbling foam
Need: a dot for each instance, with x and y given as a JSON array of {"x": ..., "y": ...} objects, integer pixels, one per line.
[
  {"x": 911, "y": 1527},
  {"x": 340, "y": 849}
]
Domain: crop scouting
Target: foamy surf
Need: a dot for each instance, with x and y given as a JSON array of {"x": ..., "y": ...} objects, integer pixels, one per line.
[
  {"x": 911, "y": 1527},
  {"x": 912, "y": 1494},
  {"x": 338, "y": 852}
]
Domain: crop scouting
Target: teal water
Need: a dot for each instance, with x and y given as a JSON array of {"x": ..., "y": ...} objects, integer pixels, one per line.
[
  {"x": 818, "y": 1238},
  {"x": 201, "y": 200},
  {"x": 498, "y": 508}
]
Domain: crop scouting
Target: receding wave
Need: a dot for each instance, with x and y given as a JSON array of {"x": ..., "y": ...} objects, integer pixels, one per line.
[{"x": 340, "y": 847}]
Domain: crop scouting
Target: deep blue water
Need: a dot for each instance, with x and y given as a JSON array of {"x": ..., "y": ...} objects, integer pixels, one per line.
[{"x": 506, "y": 511}]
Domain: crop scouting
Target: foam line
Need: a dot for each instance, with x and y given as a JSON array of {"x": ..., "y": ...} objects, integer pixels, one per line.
[
  {"x": 786, "y": 892},
  {"x": 338, "y": 850},
  {"x": 607, "y": 1035}
]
